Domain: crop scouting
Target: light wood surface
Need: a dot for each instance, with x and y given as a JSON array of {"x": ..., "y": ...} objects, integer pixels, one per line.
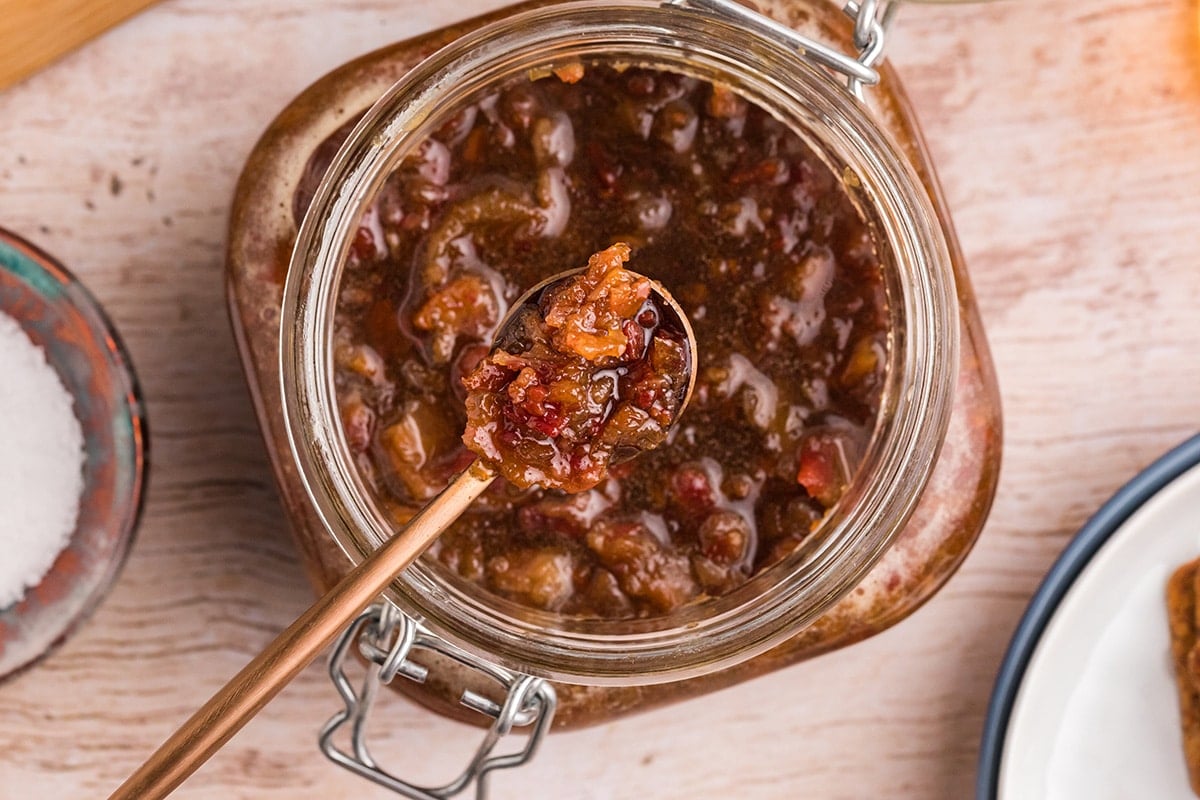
[
  {"x": 282, "y": 659},
  {"x": 35, "y": 32},
  {"x": 1068, "y": 140}
]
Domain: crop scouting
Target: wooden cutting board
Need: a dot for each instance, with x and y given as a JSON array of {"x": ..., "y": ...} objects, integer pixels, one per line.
[{"x": 35, "y": 32}]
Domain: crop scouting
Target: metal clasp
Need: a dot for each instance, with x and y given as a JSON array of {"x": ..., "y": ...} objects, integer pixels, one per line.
[
  {"x": 871, "y": 21},
  {"x": 386, "y": 638}
]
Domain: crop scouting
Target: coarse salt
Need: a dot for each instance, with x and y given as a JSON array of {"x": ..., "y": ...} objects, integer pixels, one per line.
[{"x": 41, "y": 464}]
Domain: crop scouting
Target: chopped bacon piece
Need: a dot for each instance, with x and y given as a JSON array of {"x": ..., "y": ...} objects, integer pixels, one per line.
[
  {"x": 823, "y": 470},
  {"x": 466, "y": 306}
]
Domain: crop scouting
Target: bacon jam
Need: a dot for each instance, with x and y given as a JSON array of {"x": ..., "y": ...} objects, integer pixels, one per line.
[
  {"x": 760, "y": 244},
  {"x": 594, "y": 367}
]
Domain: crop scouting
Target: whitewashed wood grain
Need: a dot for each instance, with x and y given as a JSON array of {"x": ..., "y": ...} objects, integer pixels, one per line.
[{"x": 1068, "y": 140}]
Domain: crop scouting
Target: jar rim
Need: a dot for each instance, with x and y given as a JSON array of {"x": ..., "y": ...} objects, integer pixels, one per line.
[{"x": 922, "y": 353}]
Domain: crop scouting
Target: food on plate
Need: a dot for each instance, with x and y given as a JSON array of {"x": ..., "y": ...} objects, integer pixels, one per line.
[{"x": 1183, "y": 616}]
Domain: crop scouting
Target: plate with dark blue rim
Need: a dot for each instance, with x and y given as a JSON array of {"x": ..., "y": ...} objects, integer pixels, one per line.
[{"x": 1085, "y": 703}]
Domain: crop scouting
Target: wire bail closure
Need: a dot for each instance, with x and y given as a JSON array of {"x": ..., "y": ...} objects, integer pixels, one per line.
[
  {"x": 871, "y": 21},
  {"x": 386, "y": 637}
]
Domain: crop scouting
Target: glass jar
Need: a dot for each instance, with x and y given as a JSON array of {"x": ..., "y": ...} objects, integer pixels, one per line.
[{"x": 911, "y": 513}]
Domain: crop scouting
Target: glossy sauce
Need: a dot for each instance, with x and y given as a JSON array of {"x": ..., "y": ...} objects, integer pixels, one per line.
[{"x": 724, "y": 205}]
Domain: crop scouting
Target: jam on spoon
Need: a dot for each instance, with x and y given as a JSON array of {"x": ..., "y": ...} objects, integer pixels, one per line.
[{"x": 590, "y": 368}]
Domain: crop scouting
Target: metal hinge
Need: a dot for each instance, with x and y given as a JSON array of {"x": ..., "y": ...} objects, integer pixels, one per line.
[{"x": 386, "y": 638}]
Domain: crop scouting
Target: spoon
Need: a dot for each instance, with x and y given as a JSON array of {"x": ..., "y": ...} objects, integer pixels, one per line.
[{"x": 298, "y": 645}]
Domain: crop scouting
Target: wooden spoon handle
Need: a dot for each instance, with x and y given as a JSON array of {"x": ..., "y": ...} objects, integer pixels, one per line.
[{"x": 294, "y": 649}]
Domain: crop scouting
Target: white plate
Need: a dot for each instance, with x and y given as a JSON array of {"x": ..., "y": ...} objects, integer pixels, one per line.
[{"x": 1088, "y": 682}]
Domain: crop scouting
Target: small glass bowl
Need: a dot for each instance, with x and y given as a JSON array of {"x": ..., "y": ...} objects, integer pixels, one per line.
[{"x": 61, "y": 317}]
